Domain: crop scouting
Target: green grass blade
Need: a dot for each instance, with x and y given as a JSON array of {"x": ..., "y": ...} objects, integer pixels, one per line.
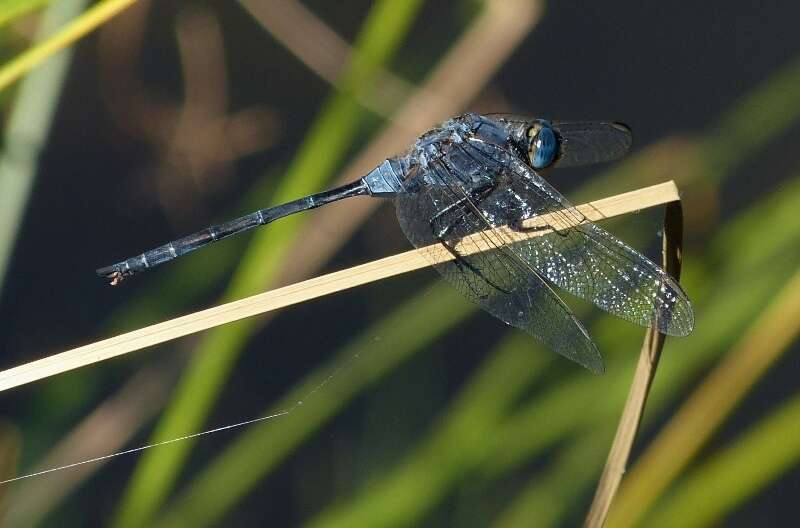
[
  {"x": 769, "y": 226},
  {"x": 548, "y": 502},
  {"x": 527, "y": 428},
  {"x": 754, "y": 460},
  {"x": 756, "y": 119},
  {"x": 64, "y": 37},
  {"x": 319, "y": 155},
  {"x": 421, "y": 480},
  {"x": 570, "y": 407},
  {"x": 551, "y": 494},
  {"x": 11, "y": 9},
  {"x": 27, "y": 130},
  {"x": 233, "y": 473},
  {"x": 634, "y": 336}
]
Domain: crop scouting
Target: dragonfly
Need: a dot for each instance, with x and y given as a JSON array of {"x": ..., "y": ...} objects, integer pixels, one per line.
[{"x": 475, "y": 173}]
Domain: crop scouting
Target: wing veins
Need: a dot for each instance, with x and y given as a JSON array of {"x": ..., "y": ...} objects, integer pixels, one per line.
[
  {"x": 506, "y": 248},
  {"x": 623, "y": 262}
]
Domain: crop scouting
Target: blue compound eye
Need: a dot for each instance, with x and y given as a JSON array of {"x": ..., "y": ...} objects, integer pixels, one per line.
[{"x": 543, "y": 146}]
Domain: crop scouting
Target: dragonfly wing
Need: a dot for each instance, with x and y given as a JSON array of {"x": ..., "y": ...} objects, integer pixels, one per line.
[
  {"x": 590, "y": 142},
  {"x": 582, "y": 142},
  {"x": 580, "y": 256},
  {"x": 497, "y": 278}
]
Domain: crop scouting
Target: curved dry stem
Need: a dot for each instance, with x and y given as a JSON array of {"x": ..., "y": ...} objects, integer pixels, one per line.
[
  {"x": 710, "y": 404},
  {"x": 646, "y": 367}
]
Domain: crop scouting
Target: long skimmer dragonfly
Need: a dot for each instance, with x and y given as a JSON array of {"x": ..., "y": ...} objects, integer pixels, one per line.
[{"x": 477, "y": 172}]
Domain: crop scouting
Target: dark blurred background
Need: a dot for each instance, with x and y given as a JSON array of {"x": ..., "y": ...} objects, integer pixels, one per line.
[{"x": 417, "y": 409}]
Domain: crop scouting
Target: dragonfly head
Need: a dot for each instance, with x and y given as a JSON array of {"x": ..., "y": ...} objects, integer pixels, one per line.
[{"x": 542, "y": 144}]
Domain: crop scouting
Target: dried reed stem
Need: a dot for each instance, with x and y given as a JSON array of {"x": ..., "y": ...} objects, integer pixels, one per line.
[
  {"x": 309, "y": 289},
  {"x": 620, "y": 452}
]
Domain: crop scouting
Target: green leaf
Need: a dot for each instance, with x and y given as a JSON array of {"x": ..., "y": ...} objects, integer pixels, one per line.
[
  {"x": 361, "y": 363},
  {"x": 318, "y": 157},
  {"x": 740, "y": 471},
  {"x": 11, "y": 9}
]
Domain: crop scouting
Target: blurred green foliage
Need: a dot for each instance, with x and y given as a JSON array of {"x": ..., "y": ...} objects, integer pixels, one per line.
[
  {"x": 11, "y": 9},
  {"x": 509, "y": 442},
  {"x": 28, "y": 125},
  {"x": 740, "y": 471},
  {"x": 318, "y": 157},
  {"x": 521, "y": 416}
]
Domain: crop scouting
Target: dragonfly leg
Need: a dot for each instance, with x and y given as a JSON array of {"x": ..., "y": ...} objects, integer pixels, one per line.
[
  {"x": 442, "y": 233},
  {"x": 517, "y": 225},
  {"x": 569, "y": 217},
  {"x": 475, "y": 196}
]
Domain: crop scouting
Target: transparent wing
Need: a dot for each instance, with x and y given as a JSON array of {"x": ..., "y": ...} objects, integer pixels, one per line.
[
  {"x": 497, "y": 279},
  {"x": 583, "y": 142},
  {"x": 590, "y": 142},
  {"x": 579, "y": 256}
]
